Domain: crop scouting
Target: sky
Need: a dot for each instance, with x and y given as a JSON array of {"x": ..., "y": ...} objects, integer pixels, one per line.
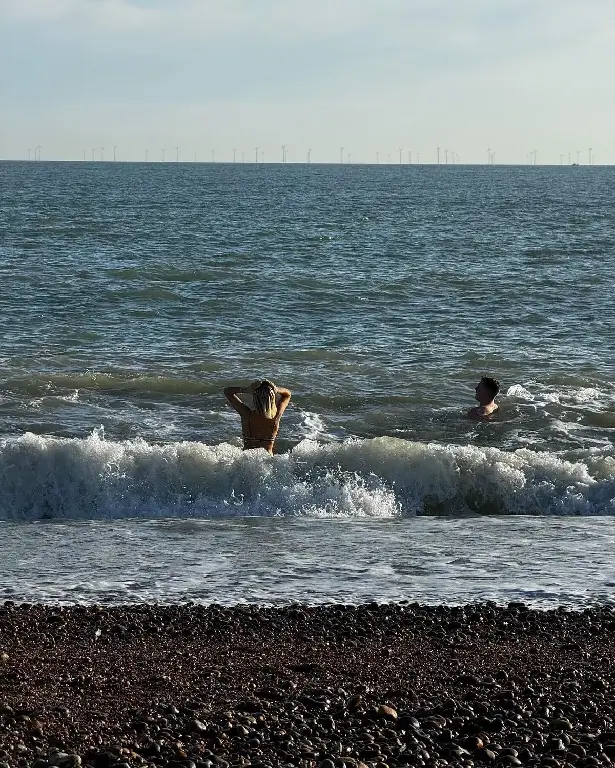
[{"x": 201, "y": 78}]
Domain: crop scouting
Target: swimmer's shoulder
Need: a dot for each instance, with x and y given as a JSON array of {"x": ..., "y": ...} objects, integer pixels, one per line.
[{"x": 481, "y": 412}]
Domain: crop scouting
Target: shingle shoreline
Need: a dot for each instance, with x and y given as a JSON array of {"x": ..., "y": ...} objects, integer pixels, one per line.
[{"x": 393, "y": 684}]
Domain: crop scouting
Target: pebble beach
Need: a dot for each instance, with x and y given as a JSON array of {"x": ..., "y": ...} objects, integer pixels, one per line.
[{"x": 335, "y": 685}]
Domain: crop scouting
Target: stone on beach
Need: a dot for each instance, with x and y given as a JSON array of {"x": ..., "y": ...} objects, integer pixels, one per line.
[{"x": 377, "y": 685}]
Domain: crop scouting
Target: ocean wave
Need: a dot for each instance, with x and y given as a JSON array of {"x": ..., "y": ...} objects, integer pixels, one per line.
[
  {"x": 84, "y": 479},
  {"x": 118, "y": 383}
]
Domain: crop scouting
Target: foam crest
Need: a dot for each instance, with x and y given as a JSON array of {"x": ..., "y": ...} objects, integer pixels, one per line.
[
  {"x": 438, "y": 479},
  {"x": 520, "y": 392},
  {"x": 52, "y": 478},
  {"x": 313, "y": 427}
]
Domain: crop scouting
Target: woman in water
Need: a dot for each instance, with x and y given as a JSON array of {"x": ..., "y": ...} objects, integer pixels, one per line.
[{"x": 259, "y": 426}]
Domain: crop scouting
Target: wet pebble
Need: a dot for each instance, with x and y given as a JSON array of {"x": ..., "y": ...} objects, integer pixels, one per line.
[{"x": 371, "y": 685}]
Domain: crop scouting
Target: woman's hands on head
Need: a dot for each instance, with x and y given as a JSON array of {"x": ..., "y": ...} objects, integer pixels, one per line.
[{"x": 259, "y": 383}]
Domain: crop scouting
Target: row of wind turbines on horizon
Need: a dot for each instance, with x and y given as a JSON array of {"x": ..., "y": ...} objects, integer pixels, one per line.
[{"x": 406, "y": 157}]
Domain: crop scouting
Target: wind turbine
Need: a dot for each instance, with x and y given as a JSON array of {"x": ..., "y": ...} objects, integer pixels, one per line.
[
  {"x": 256, "y": 154},
  {"x": 114, "y": 149},
  {"x": 309, "y": 156},
  {"x": 438, "y": 155},
  {"x": 234, "y": 155},
  {"x": 341, "y": 154}
]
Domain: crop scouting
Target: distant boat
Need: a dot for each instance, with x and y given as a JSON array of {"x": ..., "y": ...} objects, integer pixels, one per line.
[{"x": 575, "y": 164}]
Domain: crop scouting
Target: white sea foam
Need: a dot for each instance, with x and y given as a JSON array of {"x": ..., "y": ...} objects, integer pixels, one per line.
[
  {"x": 312, "y": 426},
  {"x": 274, "y": 561},
  {"x": 565, "y": 394},
  {"x": 520, "y": 392},
  {"x": 52, "y": 478}
]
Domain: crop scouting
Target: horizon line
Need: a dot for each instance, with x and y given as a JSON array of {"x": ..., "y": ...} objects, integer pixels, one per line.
[{"x": 304, "y": 163}]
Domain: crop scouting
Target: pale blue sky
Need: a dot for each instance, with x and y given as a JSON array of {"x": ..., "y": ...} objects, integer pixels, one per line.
[{"x": 369, "y": 75}]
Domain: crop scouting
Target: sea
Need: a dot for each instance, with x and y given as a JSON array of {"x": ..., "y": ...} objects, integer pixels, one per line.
[{"x": 132, "y": 294}]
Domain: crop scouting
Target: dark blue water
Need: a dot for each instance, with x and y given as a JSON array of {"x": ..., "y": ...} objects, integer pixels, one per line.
[{"x": 131, "y": 294}]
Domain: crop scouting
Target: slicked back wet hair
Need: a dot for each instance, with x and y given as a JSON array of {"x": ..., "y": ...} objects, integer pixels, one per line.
[
  {"x": 493, "y": 385},
  {"x": 264, "y": 399}
]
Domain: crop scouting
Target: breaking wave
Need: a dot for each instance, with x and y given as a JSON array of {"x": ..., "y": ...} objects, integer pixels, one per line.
[{"x": 84, "y": 479}]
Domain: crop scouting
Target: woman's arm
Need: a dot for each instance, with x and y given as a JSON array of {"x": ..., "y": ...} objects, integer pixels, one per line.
[
  {"x": 284, "y": 395},
  {"x": 233, "y": 399}
]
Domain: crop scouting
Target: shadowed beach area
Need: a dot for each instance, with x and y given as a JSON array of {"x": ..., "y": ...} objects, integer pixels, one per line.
[{"x": 394, "y": 684}]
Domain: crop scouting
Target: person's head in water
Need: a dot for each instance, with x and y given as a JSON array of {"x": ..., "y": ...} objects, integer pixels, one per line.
[
  {"x": 263, "y": 395},
  {"x": 486, "y": 390}
]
